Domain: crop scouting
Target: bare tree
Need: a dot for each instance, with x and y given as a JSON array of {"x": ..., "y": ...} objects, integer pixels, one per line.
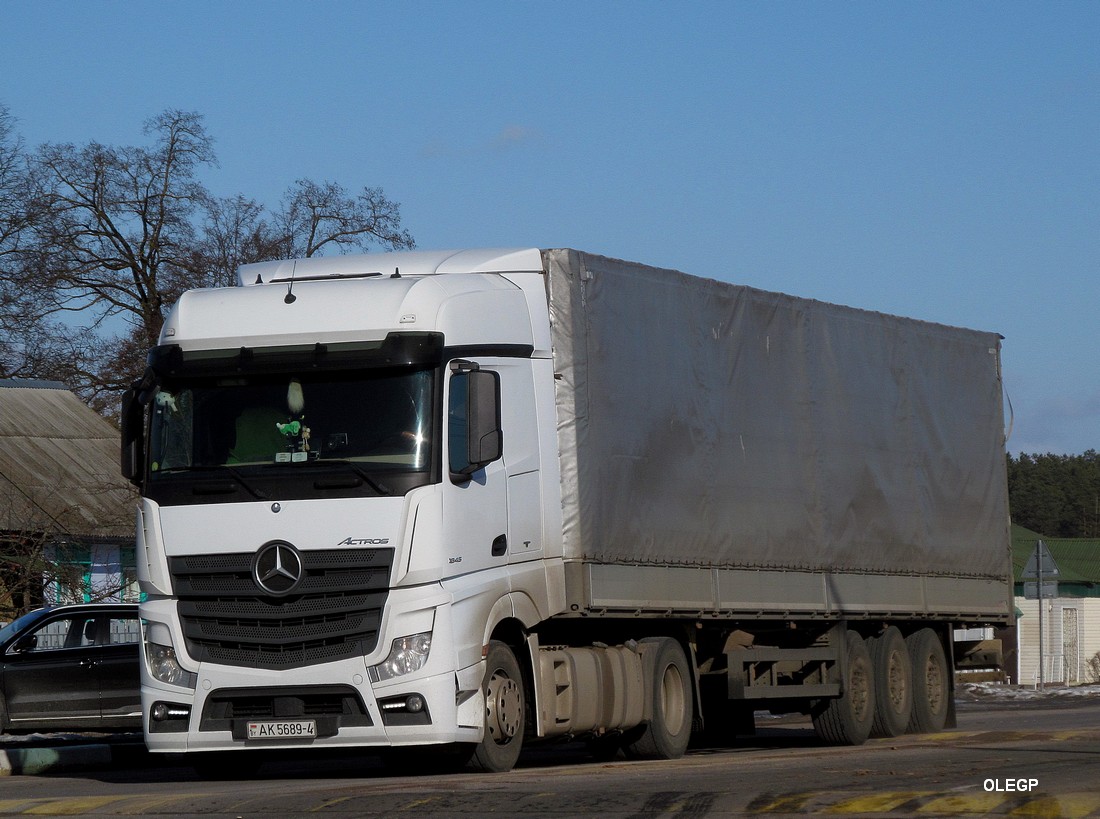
[
  {"x": 234, "y": 233},
  {"x": 97, "y": 232},
  {"x": 13, "y": 214},
  {"x": 116, "y": 224},
  {"x": 15, "y": 219},
  {"x": 316, "y": 215}
]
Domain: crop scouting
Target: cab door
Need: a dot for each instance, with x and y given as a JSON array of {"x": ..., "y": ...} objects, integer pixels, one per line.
[
  {"x": 475, "y": 492},
  {"x": 498, "y": 503}
]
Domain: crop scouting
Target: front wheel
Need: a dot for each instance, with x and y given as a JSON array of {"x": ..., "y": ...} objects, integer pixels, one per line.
[
  {"x": 505, "y": 712},
  {"x": 668, "y": 731}
]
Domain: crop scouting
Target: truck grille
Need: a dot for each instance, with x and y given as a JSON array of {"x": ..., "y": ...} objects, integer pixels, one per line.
[{"x": 335, "y": 612}]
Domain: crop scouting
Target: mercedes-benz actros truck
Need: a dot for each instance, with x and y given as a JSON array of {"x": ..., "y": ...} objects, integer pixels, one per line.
[{"x": 468, "y": 500}]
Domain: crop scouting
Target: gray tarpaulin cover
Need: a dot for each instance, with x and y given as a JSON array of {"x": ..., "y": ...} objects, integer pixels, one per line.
[{"x": 709, "y": 424}]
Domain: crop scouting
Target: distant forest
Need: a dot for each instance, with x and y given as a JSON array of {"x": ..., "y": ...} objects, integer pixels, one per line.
[{"x": 1056, "y": 495}]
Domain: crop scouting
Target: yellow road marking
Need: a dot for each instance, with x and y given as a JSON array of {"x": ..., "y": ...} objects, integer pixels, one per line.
[
  {"x": 72, "y": 806},
  {"x": 419, "y": 803},
  {"x": 329, "y": 804},
  {"x": 872, "y": 803},
  {"x": 962, "y": 803},
  {"x": 792, "y": 803},
  {"x": 1071, "y": 806},
  {"x": 1009, "y": 736},
  {"x": 932, "y": 803}
]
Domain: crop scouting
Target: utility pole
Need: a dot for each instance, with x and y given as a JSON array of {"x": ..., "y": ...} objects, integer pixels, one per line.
[
  {"x": 1042, "y": 605},
  {"x": 1039, "y": 566}
]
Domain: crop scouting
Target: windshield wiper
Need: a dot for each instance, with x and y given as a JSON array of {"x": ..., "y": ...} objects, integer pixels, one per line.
[
  {"x": 217, "y": 487},
  {"x": 373, "y": 483}
]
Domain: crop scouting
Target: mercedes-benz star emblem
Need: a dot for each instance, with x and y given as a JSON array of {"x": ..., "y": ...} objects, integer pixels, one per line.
[{"x": 277, "y": 568}]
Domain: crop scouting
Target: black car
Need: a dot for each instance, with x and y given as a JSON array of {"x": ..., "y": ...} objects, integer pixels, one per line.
[{"x": 71, "y": 668}]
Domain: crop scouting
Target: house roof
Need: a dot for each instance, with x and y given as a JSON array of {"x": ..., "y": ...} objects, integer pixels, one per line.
[
  {"x": 1078, "y": 559},
  {"x": 59, "y": 465}
]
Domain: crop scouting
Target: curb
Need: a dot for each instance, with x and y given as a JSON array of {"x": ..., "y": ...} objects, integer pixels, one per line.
[{"x": 32, "y": 761}]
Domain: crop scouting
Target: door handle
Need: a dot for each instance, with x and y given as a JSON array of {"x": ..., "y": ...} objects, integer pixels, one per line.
[{"x": 500, "y": 546}]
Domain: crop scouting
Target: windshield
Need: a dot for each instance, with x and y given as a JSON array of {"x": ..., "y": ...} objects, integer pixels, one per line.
[
  {"x": 273, "y": 435},
  {"x": 21, "y": 623}
]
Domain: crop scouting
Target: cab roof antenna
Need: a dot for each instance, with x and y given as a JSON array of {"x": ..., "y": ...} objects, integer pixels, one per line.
[{"x": 290, "y": 298}]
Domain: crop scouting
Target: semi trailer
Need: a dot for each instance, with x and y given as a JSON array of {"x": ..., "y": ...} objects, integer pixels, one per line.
[{"x": 468, "y": 500}]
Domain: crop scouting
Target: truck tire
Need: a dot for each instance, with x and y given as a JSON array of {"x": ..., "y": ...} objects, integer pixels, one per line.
[
  {"x": 931, "y": 684},
  {"x": 505, "y": 712},
  {"x": 847, "y": 719},
  {"x": 893, "y": 683},
  {"x": 667, "y": 733}
]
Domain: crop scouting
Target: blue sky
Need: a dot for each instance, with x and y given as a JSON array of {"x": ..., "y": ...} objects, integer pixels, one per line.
[{"x": 939, "y": 160}]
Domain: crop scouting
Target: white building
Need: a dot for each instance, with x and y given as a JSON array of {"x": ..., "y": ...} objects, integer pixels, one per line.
[
  {"x": 1070, "y": 619},
  {"x": 66, "y": 513}
]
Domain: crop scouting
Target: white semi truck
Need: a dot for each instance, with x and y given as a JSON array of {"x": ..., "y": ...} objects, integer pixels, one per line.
[{"x": 473, "y": 499}]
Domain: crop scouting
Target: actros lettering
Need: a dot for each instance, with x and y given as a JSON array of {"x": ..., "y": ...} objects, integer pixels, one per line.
[{"x": 364, "y": 541}]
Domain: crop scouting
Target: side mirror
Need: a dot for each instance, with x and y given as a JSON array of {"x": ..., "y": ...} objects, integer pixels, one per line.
[
  {"x": 132, "y": 422},
  {"x": 486, "y": 438},
  {"x": 25, "y": 644},
  {"x": 475, "y": 438}
]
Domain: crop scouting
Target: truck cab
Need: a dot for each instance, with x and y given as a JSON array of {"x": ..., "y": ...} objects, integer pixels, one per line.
[{"x": 348, "y": 473}]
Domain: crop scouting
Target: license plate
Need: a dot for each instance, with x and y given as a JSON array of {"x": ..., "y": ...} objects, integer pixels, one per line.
[{"x": 283, "y": 729}]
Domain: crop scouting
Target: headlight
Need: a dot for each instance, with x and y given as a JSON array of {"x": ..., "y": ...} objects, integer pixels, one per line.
[
  {"x": 407, "y": 654},
  {"x": 164, "y": 667}
]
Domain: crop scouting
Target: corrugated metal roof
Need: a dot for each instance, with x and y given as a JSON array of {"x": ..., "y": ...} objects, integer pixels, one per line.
[
  {"x": 59, "y": 465},
  {"x": 31, "y": 383},
  {"x": 1078, "y": 559}
]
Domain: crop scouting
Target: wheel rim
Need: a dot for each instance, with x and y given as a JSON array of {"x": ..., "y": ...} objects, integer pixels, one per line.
[
  {"x": 898, "y": 682},
  {"x": 860, "y": 691},
  {"x": 673, "y": 702},
  {"x": 934, "y": 686},
  {"x": 503, "y": 707}
]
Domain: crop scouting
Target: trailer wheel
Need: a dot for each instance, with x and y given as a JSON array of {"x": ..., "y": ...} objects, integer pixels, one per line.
[
  {"x": 893, "y": 683},
  {"x": 668, "y": 731},
  {"x": 931, "y": 685},
  {"x": 505, "y": 712},
  {"x": 847, "y": 719}
]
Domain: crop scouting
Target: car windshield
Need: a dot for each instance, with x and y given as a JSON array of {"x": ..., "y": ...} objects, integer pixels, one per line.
[{"x": 20, "y": 623}]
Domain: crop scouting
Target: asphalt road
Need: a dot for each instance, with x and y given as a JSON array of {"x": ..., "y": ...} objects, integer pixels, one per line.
[{"x": 1019, "y": 758}]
